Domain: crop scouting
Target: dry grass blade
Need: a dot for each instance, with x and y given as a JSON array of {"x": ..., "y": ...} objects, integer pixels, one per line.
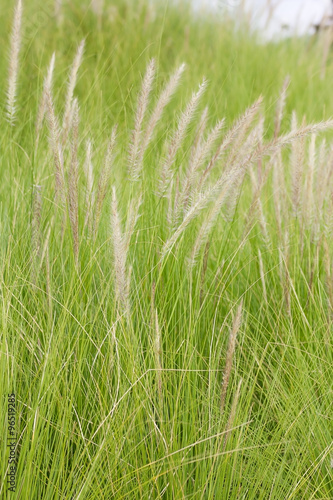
[
  {"x": 15, "y": 45},
  {"x": 136, "y": 149},
  {"x": 230, "y": 354}
]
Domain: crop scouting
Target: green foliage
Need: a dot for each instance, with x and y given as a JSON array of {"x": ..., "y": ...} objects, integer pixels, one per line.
[{"x": 117, "y": 356}]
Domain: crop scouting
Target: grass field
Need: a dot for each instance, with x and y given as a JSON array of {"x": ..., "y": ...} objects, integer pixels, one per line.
[{"x": 166, "y": 251}]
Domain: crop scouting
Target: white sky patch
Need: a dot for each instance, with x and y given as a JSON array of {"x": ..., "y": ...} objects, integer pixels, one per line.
[{"x": 276, "y": 16}]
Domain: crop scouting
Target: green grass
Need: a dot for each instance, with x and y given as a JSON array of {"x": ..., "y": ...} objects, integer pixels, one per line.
[{"x": 102, "y": 411}]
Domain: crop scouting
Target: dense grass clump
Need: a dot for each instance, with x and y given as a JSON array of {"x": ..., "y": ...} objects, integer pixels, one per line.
[{"x": 166, "y": 256}]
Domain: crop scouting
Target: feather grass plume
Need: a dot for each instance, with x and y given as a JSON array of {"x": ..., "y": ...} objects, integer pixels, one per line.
[
  {"x": 15, "y": 45},
  {"x": 178, "y": 137},
  {"x": 55, "y": 146},
  {"x": 297, "y": 133},
  {"x": 136, "y": 149},
  {"x": 70, "y": 91},
  {"x": 238, "y": 129},
  {"x": 132, "y": 218},
  {"x": 73, "y": 183},
  {"x": 119, "y": 254},
  {"x": 199, "y": 133},
  {"x": 197, "y": 206},
  {"x": 229, "y": 179},
  {"x": 43, "y": 101},
  {"x": 197, "y": 159},
  {"x": 162, "y": 102}
]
